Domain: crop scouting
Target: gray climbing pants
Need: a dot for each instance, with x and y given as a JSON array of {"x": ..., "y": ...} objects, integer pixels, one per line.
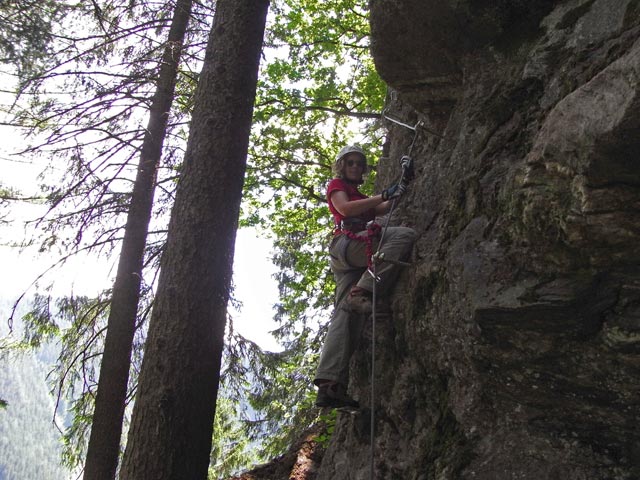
[{"x": 349, "y": 265}]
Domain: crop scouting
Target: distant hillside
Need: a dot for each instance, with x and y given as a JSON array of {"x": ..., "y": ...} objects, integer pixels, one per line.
[{"x": 30, "y": 444}]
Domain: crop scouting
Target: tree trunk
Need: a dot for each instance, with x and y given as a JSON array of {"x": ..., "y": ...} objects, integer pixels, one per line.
[
  {"x": 106, "y": 430},
  {"x": 171, "y": 428}
]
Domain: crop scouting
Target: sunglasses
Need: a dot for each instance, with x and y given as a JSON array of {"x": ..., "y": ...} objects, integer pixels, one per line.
[{"x": 359, "y": 163}]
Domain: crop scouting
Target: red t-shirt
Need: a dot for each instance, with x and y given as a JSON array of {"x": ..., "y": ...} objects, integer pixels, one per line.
[{"x": 339, "y": 184}]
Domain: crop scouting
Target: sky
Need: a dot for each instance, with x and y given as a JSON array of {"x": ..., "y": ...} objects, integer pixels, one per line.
[
  {"x": 256, "y": 290},
  {"x": 255, "y": 287}
]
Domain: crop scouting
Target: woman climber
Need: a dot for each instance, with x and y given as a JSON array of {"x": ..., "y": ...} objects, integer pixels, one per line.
[{"x": 356, "y": 238}]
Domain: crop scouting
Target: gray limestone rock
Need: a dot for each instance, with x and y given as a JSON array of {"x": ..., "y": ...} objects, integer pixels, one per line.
[{"x": 514, "y": 348}]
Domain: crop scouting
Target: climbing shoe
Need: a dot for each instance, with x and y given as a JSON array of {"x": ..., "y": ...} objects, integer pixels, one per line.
[
  {"x": 334, "y": 395},
  {"x": 359, "y": 300}
]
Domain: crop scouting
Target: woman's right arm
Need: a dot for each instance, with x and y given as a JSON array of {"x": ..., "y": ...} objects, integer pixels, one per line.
[{"x": 353, "y": 208}]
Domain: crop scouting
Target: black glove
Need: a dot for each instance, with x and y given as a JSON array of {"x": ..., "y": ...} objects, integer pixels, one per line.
[
  {"x": 406, "y": 162},
  {"x": 395, "y": 191}
]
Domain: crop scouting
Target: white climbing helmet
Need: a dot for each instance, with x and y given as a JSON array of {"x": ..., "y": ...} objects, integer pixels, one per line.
[
  {"x": 338, "y": 166},
  {"x": 350, "y": 149}
]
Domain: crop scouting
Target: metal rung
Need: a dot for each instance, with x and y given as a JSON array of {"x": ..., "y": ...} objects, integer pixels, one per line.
[{"x": 380, "y": 258}]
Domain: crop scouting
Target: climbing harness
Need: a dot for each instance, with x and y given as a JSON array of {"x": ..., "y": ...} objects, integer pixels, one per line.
[
  {"x": 373, "y": 230},
  {"x": 378, "y": 257}
]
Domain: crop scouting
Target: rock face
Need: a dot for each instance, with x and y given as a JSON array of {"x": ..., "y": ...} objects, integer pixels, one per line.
[{"x": 514, "y": 347}]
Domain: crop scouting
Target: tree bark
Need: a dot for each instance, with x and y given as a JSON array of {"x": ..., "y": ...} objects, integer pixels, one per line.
[
  {"x": 172, "y": 423},
  {"x": 104, "y": 442}
]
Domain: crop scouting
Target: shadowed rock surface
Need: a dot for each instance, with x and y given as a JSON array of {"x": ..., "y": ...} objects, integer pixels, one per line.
[
  {"x": 300, "y": 462},
  {"x": 513, "y": 351}
]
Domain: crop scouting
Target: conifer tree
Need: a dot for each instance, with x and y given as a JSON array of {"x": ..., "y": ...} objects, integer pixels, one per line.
[
  {"x": 172, "y": 421},
  {"x": 303, "y": 108},
  {"x": 84, "y": 101},
  {"x": 321, "y": 92},
  {"x": 26, "y": 33},
  {"x": 106, "y": 429}
]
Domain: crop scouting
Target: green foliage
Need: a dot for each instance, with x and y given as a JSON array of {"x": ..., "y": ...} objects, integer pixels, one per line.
[
  {"x": 30, "y": 444},
  {"x": 329, "y": 420},
  {"x": 85, "y": 114},
  {"x": 231, "y": 446},
  {"x": 26, "y": 35},
  {"x": 79, "y": 328},
  {"x": 272, "y": 397},
  {"x": 7, "y": 196},
  {"x": 78, "y": 325},
  {"x": 40, "y": 323},
  {"x": 84, "y": 104},
  {"x": 318, "y": 91},
  {"x": 76, "y": 435},
  {"x": 317, "y": 87}
]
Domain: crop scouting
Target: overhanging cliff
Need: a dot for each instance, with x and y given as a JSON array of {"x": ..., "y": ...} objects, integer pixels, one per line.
[{"x": 514, "y": 347}]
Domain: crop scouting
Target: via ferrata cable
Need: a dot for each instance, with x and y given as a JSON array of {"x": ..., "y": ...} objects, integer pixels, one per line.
[{"x": 372, "y": 270}]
